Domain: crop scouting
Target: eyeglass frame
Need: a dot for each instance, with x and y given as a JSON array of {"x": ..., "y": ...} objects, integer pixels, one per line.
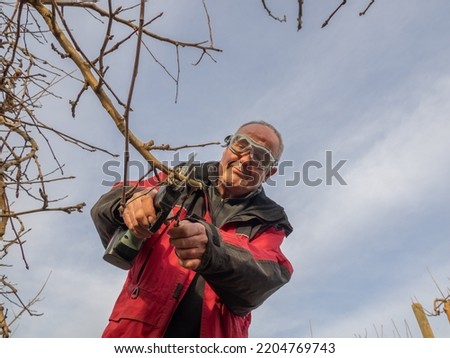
[{"x": 229, "y": 138}]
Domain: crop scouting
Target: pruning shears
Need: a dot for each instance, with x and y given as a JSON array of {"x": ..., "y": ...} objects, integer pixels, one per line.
[{"x": 124, "y": 246}]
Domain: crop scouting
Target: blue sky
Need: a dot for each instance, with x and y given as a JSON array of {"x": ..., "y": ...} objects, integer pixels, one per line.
[{"x": 371, "y": 90}]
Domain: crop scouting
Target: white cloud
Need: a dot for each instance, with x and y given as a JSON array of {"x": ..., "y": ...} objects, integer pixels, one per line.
[{"x": 342, "y": 233}]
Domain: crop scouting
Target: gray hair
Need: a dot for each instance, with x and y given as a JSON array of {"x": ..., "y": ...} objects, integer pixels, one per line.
[{"x": 268, "y": 125}]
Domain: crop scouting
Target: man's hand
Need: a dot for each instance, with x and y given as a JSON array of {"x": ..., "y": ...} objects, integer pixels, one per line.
[
  {"x": 189, "y": 240},
  {"x": 139, "y": 213}
]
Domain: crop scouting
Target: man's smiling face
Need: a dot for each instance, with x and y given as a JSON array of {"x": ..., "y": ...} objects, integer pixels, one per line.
[{"x": 239, "y": 173}]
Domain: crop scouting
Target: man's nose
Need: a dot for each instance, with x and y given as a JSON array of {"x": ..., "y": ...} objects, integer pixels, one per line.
[{"x": 245, "y": 157}]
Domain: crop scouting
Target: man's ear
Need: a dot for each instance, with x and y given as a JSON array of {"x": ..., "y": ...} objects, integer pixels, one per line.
[{"x": 270, "y": 172}]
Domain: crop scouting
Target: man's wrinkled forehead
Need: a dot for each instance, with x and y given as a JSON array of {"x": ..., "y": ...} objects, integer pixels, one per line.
[
  {"x": 254, "y": 131},
  {"x": 262, "y": 135}
]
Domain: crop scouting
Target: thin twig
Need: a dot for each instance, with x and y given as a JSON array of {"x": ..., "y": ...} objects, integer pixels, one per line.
[
  {"x": 177, "y": 81},
  {"x": 130, "y": 23},
  {"x": 150, "y": 146},
  {"x": 334, "y": 12},
  {"x": 107, "y": 37},
  {"x": 367, "y": 8},
  {"x": 270, "y": 13},
  {"x": 67, "y": 209},
  {"x": 130, "y": 98},
  {"x": 208, "y": 20},
  {"x": 300, "y": 15},
  {"x": 83, "y": 55}
]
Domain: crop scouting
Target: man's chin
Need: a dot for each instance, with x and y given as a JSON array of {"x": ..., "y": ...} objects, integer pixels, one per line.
[{"x": 240, "y": 184}]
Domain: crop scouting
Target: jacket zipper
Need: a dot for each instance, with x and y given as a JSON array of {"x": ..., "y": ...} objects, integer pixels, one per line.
[{"x": 217, "y": 210}]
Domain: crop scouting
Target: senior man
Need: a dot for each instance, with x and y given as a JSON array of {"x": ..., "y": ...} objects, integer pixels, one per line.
[{"x": 203, "y": 275}]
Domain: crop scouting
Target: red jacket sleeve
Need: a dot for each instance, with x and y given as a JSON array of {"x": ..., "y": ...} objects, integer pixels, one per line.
[{"x": 244, "y": 273}]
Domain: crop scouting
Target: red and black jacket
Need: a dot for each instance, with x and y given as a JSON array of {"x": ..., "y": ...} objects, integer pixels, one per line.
[{"x": 242, "y": 266}]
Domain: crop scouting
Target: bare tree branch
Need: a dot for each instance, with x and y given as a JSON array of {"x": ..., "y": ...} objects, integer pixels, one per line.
[
  {"x": 300, "y": 15},
  {"x": 367, "y": 8},
  {"x": 334, "y": 13},
  {"x": 130, "y": 97},
  {"x": 270, "y": 13},
  {"x": 130, "y": 23}
]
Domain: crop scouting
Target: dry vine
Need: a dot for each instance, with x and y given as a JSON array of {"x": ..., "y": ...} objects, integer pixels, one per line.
[
  {"x": 26, "y": 79},
  {"x": 300, "y": 12}
]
